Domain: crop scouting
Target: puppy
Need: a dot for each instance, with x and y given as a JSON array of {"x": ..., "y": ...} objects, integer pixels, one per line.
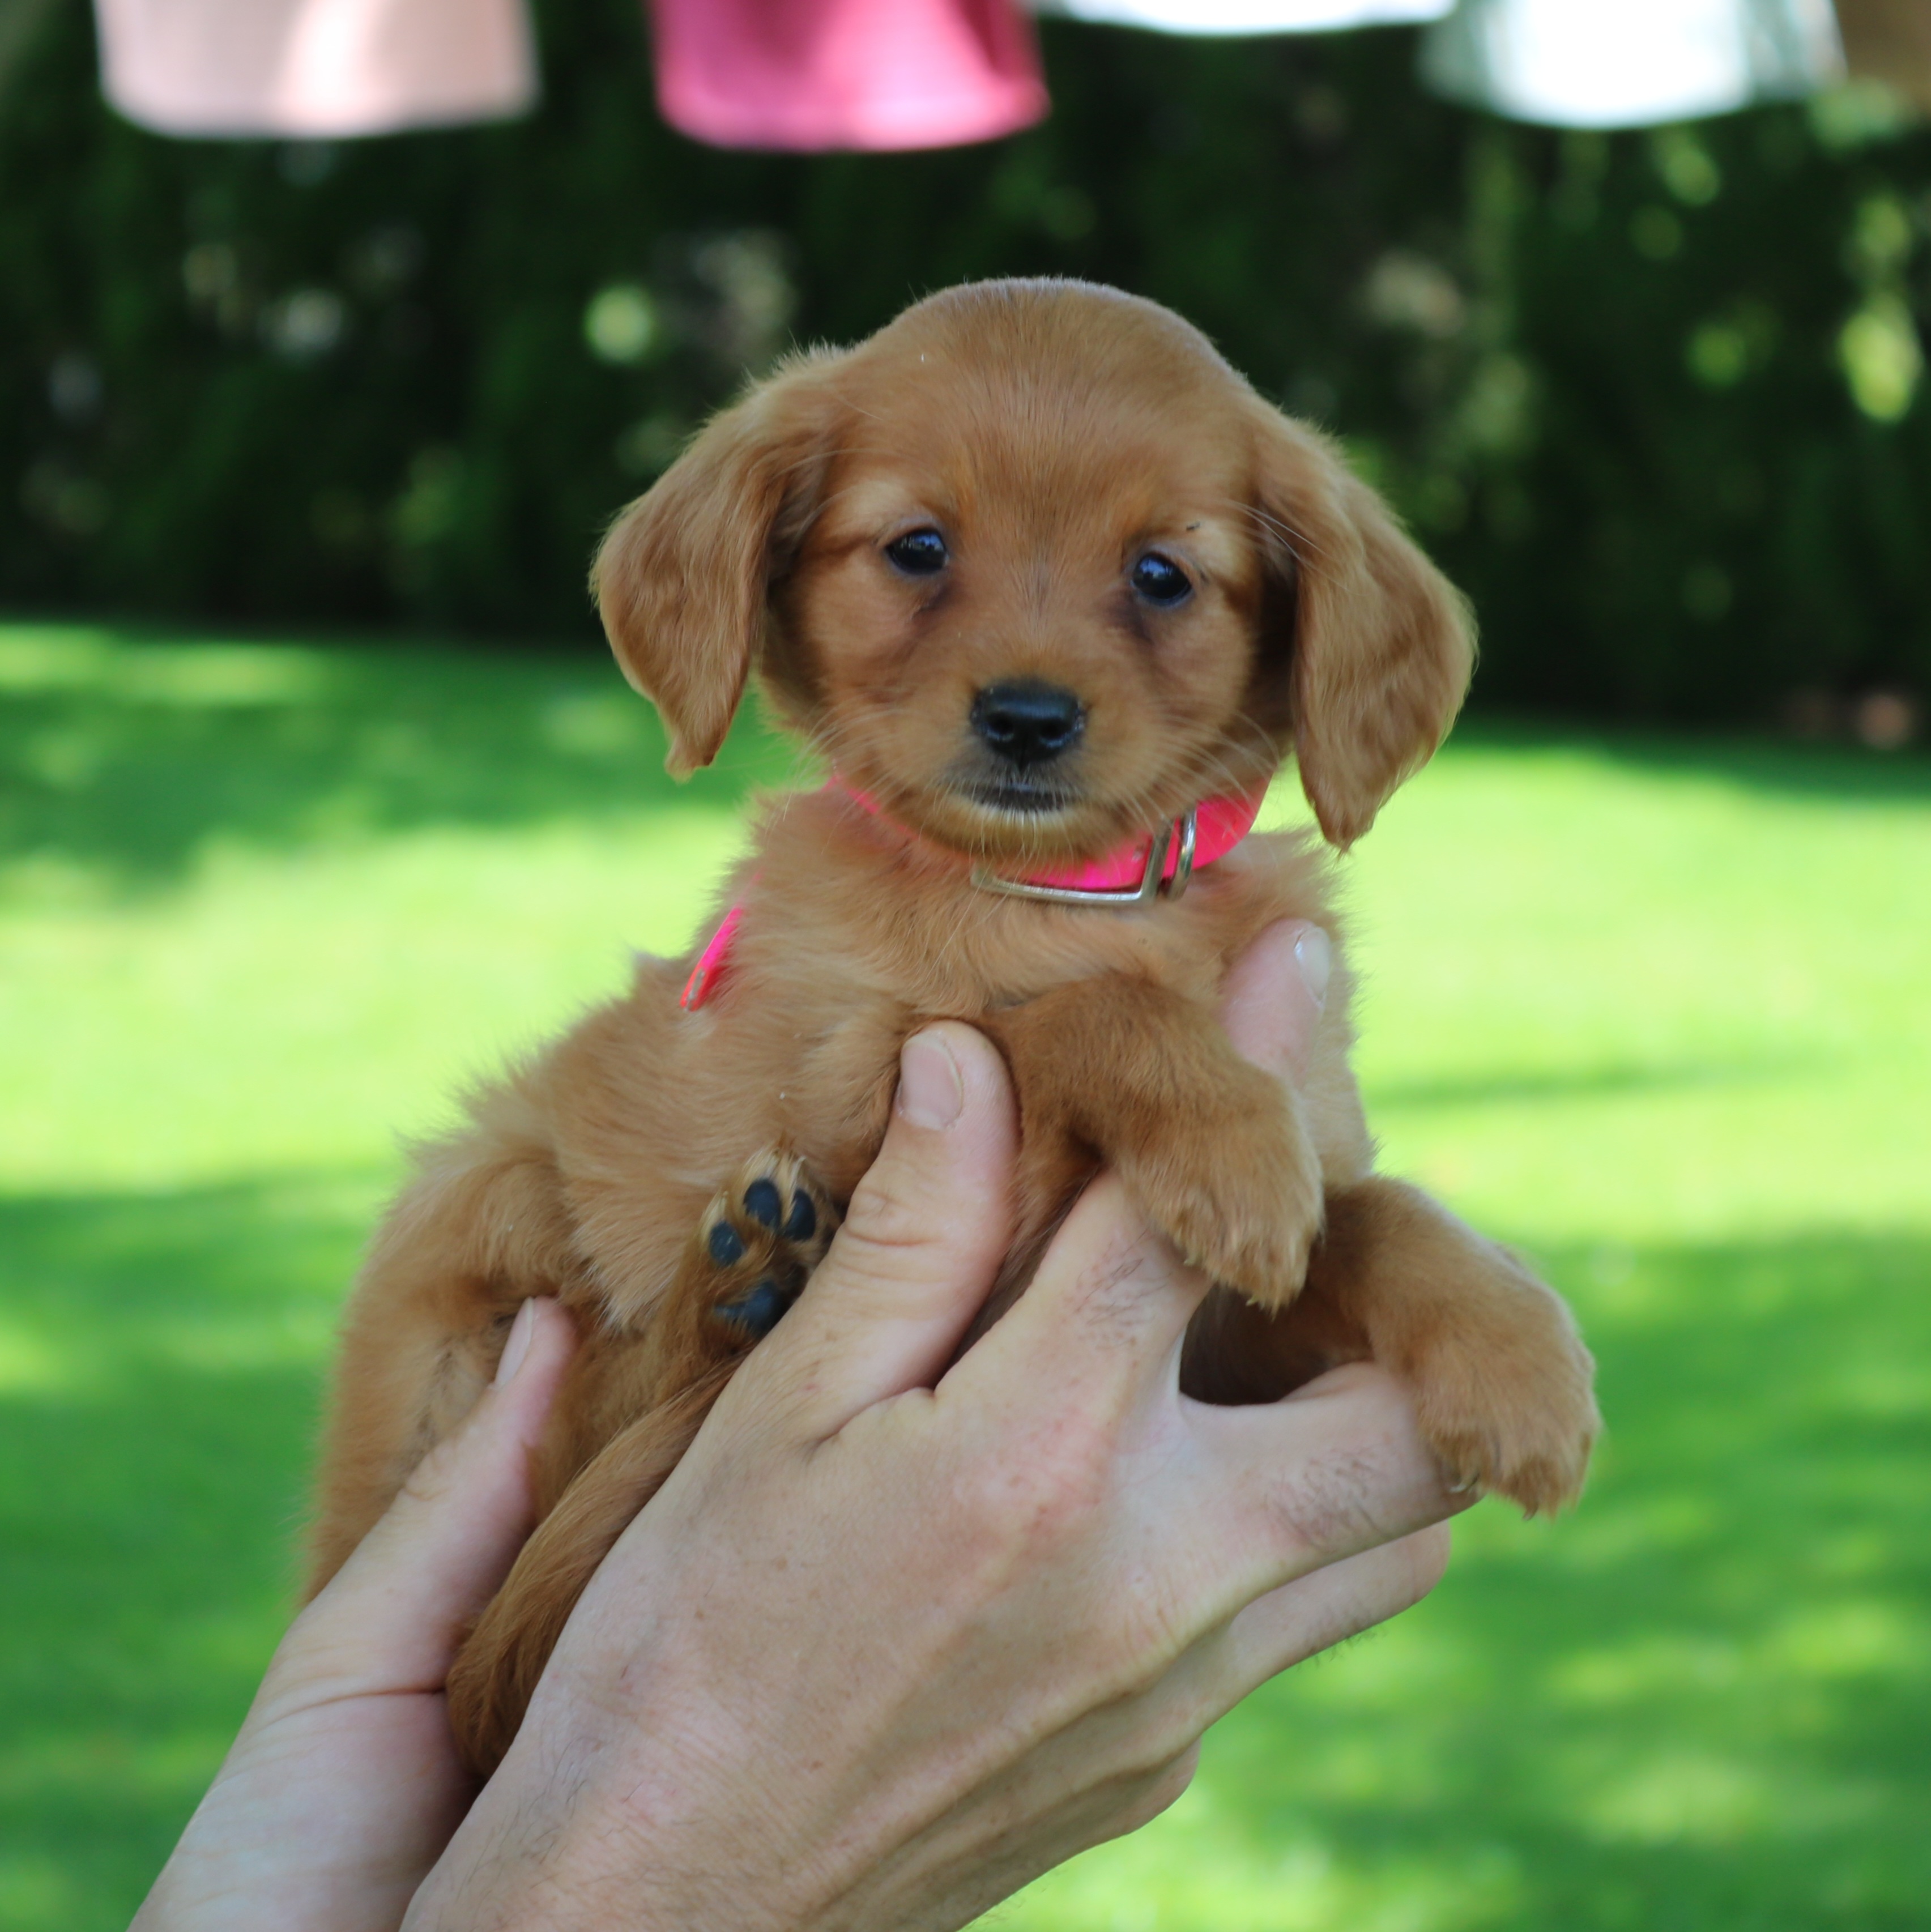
[{"x": 1055, "y": 592}]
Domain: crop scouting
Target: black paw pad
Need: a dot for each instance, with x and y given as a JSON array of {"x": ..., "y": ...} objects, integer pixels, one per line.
[
  {"x": 756, "y": 1313},
  {"x": 802, "y": 1222},
  {"x": 726, "y": 1244},
  {"x": 763, "y": 1202}
]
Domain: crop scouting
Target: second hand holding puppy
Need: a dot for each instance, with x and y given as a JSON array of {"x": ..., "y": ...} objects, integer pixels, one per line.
[{"x": 895, "y": 1638}]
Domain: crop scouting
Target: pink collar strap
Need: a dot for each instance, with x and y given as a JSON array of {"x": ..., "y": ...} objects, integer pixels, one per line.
[
  {"x": 711, "y": 962},
  {"x": 1158, "y": 865},
  {"x": 1131, "y": 875}
]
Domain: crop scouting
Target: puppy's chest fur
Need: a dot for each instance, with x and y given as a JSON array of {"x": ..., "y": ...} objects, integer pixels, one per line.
[{"x": 850, "y": 937}]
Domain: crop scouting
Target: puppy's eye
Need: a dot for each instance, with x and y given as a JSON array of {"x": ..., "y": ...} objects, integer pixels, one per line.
[
  {"x": 919, "y": 552},
  {"x": 1160, "y": 580}
]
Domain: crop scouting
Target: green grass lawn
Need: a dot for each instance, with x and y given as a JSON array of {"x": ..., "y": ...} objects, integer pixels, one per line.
[{"x": 1660, "y": 1011}]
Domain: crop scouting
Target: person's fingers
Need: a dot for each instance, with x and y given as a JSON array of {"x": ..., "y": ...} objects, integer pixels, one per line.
[
  {"x": 391, "y": 1617},
  {"x": 1110, "y": 1282},
  {"x": 919, "y": 1247},
  {"x": 1337, "y": 1468},
  {"x": 1272, "y": 1002},
  {"x": 1283, "y": 1627},
  {"x": 1314, "y": 1613},
  {"x": 1103, "y": 1316}
]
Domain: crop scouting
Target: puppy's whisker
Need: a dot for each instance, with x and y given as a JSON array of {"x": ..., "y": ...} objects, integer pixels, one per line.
[{"x": 1298, "y": 544}]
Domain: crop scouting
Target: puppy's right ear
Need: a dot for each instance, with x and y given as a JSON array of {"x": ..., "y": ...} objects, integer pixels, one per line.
[
  {"x": 1383, "y": 644},
  {"x": 680, "y": 580}
]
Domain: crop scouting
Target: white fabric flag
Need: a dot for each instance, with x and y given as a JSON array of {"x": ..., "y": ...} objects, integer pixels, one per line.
[
  {"x": 1630, "y": 63},
  {"x": 1247, "y": 17},
  {"x": 314, "y": 68}
]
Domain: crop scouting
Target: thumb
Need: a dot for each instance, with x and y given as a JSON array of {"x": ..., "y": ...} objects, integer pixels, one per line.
[
  {"x": 1274, "y": 995},
  {"x": 920, "y": 1246},
  {"x": 391, "y": 1617}
]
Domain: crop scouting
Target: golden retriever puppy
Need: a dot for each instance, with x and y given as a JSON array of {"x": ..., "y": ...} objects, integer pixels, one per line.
[{"x": 1055, "y": 592}]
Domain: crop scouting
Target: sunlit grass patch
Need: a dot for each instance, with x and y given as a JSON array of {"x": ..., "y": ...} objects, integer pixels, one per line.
[{"x": 1655, "y": 1010}]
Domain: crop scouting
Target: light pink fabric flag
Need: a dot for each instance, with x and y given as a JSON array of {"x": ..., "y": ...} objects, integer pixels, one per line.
[
  {"x": 314, "y": 68},
  {"x": 815, "y": 74}
]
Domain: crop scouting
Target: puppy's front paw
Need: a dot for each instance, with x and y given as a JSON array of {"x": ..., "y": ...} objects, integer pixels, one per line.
[
  {"x": 757, "y": 1243},
  {"x": 1238, "y": 1192},
  {"x": 1505, "y": 1394}
]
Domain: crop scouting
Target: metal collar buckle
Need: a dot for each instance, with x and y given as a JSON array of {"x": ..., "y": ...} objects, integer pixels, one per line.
[{"x": 1150, "y": 887}]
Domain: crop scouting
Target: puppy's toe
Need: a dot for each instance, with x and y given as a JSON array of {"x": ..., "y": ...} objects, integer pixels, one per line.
[
  {"x": 764, "y": 1203},
  {"x": 1269, "y": 1261},
  {"x": 757, "y": 1313},
  {"x": 1538, "y": 1461},
  {"x": 724, "y": 1243}
]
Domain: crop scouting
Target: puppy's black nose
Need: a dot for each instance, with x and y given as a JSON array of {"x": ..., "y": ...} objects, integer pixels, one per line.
[{"x": 1026, "y": 721}]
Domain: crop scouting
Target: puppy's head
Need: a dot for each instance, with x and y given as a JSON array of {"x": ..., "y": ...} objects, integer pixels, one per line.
[{"x": 1037, "y": 571}]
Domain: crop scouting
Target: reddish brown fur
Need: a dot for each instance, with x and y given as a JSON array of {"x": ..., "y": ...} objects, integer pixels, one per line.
[{"x": 1051, "y": 430}]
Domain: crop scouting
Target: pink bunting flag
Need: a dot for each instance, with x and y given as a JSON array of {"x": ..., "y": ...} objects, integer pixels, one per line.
[{"x": 815, "y": 74}]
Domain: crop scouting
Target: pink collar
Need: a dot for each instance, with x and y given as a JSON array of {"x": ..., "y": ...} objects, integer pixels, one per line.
[{"x": 1132, "y": 875}]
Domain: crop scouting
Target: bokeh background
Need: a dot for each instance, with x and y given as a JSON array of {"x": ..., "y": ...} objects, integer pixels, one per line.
[{"x": 316, "y": 792}]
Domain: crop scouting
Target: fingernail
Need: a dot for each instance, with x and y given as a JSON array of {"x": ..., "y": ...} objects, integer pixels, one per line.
[
  {"x": 517, "y": 1345},
  {"x": 931, "y": 1093},
  {"x": 1314, "y": 955}
]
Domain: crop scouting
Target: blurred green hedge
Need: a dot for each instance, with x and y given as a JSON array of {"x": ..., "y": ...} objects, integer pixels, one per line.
[{"x": 1653, "y": 398}]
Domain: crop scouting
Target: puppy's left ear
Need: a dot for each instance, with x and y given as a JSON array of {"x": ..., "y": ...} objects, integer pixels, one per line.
[
  {"x": 1382, "y": 643},
  {"x": 681, "y": 580}
]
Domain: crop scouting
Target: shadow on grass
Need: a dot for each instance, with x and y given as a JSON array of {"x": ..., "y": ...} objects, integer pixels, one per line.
[
  {"x": 160, "y": 1359},
  {"x": 1698, "y": 1701},
  {"x": 127, "y": 756}
]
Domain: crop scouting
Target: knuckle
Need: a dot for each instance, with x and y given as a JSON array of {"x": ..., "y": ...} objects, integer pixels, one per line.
[
  {"x": 433, "y": 1477},
  {"x": 1155, "y": 1626},
  {"x": 888, "y": 1216},
  {"x": 1366, "y": 1480},
  {"x": 1113, "y": 1291},
  {"x": 1334, "y": 1502},
  {"x": 1157, "y": 1791},
  {"x": 1166, "y": 1730}
]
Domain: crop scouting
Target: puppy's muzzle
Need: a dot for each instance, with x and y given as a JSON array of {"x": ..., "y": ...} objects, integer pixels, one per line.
[{"x": 1025, "y": 722}]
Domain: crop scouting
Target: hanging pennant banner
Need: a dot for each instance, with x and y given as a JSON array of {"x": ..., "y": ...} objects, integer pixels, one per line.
[
  {"x": 312, "y": 69},
  {"x": 809, "y": 75},
  {"x": 1629, "y": 63},
  {"x": 1248, "y": 16}
]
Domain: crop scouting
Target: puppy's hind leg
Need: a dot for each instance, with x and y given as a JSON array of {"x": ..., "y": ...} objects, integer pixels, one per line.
[
  {"x": 481, "y": 1229},
  {"x": 495, "y": 1673},
  {"x": 752, "y": 1251}
]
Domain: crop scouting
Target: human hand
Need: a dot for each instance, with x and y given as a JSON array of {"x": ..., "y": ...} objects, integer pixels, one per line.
[
  {"x": 343, "y": 1785},
  {"x": 897, "y": 1636}
]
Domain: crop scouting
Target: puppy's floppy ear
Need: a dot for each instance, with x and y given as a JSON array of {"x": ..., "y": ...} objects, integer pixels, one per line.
[
  {"x": 1382, "y": 643},
  {"x": 680, "y": 580}
]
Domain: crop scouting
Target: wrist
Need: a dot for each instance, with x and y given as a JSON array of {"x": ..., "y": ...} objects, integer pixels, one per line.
[{"x": 597, "y": 1837}]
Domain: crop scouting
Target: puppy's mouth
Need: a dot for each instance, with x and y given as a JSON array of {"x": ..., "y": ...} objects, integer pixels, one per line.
[{"x": 1024, "y": 797}]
